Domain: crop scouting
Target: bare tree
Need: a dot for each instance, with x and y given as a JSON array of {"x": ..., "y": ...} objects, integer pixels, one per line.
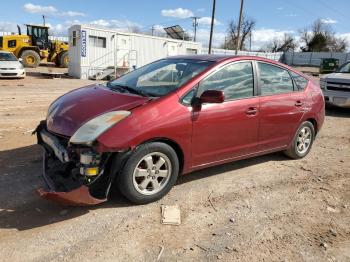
[
  {"x": 248, "y": 24},
  {"x": 284, "y": 44},
  {"x": 321, "y": 38},
  {"x": 338, "y": 44}
]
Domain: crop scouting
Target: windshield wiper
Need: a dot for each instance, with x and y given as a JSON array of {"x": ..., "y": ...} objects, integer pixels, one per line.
[{"x": 128, "y": 88}]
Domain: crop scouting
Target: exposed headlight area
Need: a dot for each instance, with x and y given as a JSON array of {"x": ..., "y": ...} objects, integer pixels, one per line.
[
  {"x": 86, "y": 164},
  {"x": 90, "y": 164},
  {"x": 92, "y": 129}
]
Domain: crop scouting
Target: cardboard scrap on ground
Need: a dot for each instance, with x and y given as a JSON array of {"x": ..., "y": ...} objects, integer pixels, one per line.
[{"x": 171, "y": 215}]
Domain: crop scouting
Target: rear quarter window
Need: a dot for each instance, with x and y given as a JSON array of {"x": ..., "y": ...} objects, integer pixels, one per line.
[{"x": 299, "y": 81}]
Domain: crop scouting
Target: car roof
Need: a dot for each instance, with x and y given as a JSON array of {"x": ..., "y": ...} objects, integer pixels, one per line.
[
  {"x": 219, "y": 58},
  {"x": 214, "y": 58},
  {"x": 7, "y": 52}
]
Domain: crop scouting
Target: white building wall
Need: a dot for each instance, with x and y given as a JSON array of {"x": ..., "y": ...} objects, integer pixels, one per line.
[
  {"x": 122, "y": 49},
  {"x": 148, "y": 49}
]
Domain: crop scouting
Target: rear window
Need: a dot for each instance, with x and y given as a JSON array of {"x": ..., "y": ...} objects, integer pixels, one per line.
[{"x": 300, "y": 82}]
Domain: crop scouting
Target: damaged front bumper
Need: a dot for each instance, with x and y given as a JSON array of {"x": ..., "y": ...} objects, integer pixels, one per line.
[
  {"x": 75, "y": 175},
  {"x": 79, "y": 196}
]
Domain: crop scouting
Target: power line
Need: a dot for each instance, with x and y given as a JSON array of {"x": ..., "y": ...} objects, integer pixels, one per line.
[
  {"x": 308, "y": 12},
  {"x": 334, "y": 10}
]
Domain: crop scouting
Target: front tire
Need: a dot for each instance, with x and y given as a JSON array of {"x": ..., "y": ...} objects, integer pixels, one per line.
[
  {"x": 30, "y": 58},
  {"x": 302, "y": 141},
  {"x": 149, "y": 173}
]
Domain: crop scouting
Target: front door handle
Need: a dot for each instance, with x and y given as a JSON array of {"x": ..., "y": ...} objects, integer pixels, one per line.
[
  {"x": 251, "y": 111},
  {"x": 298, "y": 103}
]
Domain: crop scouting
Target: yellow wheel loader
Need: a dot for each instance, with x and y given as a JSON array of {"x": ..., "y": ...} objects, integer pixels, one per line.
[{"x": 35, "y": 47}]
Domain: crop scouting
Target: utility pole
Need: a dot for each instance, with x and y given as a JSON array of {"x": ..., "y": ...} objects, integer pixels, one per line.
[
  {"x": 152, "y": 29},
  {"x": 239, "y": 26},
  {"x": 44, "y": 20},
  {"x": 212, "y": 26},
  {"x": 250, "y": 40},
  {"x": 195, "y": 24}
]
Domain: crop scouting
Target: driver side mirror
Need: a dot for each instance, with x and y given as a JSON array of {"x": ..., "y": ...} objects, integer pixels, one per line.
[
  {"x": 20, "y": 60},
  {"x": 210, "y": 97}
]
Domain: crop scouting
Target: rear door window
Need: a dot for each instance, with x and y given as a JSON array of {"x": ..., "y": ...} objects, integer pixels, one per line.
[
  {"x": 274, "y": 80},
  {"x": 236, "y": 80}
]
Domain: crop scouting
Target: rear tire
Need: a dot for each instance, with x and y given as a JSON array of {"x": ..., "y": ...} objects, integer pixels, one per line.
[
  {"x": 57, "y": 61},
  {"x": 149, "y": 173},
  {"x": 30, "y": 58},
  {"x": 64, "y": 59},
  {"x": 302, "y": 141}
]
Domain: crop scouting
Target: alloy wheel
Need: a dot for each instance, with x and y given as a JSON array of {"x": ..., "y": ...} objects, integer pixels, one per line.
[
  {"x": 152, "y": 173},
  {"x": 304, "y": 140}
]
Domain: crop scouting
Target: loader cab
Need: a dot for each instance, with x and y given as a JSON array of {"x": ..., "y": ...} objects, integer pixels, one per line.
[{"x": 39, "y": 35}]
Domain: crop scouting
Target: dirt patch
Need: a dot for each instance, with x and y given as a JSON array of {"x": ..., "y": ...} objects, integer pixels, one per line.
[{"x": 266, "y": 208}]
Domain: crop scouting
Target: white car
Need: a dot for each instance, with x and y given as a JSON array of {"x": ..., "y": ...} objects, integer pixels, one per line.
[
  {"x": 336, "y": 86},
  {"x": 10, "y": 66}
]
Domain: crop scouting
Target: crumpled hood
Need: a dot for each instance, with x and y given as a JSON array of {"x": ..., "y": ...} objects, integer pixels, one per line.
[
  {"x": 337, "y": 77},
  {"x": 72, "y": 110}
]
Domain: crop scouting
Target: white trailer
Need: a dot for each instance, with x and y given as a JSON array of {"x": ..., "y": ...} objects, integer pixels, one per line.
[{"x": 96, "y": 53}]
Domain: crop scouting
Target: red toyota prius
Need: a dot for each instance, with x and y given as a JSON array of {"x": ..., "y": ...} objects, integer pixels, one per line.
[{"x": 171, "y": 117}]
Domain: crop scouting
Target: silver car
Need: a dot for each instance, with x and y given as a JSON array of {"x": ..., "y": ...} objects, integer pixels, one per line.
[
  {"x": 336, "y": 86},
  {"x": 10, "y": 67}
]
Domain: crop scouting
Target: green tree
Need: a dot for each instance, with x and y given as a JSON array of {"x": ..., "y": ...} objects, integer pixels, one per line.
[{"x": 321, "y": 38}]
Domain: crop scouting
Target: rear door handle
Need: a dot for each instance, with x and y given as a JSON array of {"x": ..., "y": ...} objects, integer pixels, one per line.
[
  {"x": 298, "y": 103},
  {"x": 251, "y": 111}
]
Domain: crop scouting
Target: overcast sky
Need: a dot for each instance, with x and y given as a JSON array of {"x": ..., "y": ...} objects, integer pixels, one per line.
[{"x": 273, "y": 17}]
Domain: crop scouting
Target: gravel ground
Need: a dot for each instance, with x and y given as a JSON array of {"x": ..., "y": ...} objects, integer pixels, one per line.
[{"x": 266, "y": 208}]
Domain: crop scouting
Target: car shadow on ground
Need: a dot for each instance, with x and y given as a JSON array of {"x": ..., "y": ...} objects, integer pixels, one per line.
[
  {"x": 337, "y": 111},
  {"x": 232, "y": 166},
  {"x": 21, "y": 208}
]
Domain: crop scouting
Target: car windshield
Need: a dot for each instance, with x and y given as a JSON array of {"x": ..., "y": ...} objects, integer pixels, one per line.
[
  {"x": 7, "y": 57},
  {"x": 345, "y": 68},
  {"x": 161, "y": 77}
]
